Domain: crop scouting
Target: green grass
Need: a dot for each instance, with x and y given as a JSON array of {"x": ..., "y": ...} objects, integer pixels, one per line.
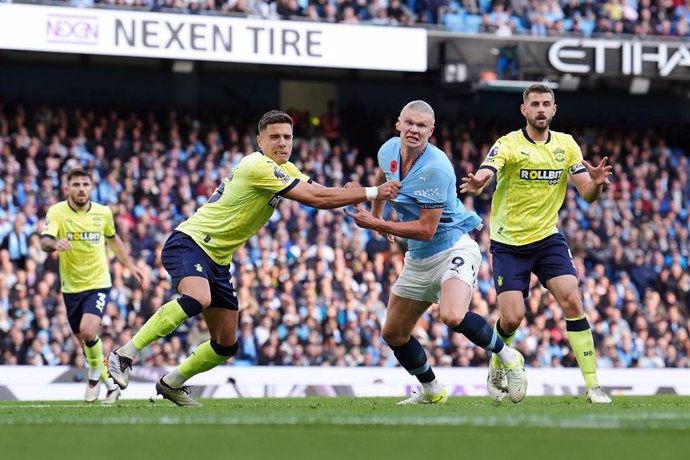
[{"x": 559, "y": 428}]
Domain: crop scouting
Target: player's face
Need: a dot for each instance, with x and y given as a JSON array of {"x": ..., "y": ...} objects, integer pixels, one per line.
[
  {"x": 276, "y": 142},
  {"x": 79, "y": 190},
  {"x": 415, "y": 128},
  {"x": 539, "y": 110}
]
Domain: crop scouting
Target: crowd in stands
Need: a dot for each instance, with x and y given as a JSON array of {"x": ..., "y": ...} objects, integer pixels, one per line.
[
  {"x": 312, "y": 286},
  {"x": 643, "y": 18}
]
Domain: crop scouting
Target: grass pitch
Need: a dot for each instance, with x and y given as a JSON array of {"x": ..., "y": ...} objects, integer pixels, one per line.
[{"x": 558, "y": 428}]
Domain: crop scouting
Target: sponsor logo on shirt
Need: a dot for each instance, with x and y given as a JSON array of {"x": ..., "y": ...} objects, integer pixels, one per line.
[
  {"x": 552, "y": 176},
  {"x": 427, "y": 192},
  {"x": 88, "y": 237}
]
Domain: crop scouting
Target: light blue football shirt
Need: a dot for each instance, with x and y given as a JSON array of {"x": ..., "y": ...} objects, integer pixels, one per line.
[{"x": 429, "y": 184}]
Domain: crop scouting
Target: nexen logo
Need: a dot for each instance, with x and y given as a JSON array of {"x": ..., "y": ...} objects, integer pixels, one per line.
[
  {"x": 89, "y": 237},
  {"x": 551, "y": 175}
]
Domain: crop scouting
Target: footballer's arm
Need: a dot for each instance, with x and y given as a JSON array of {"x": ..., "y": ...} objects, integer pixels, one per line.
[
  {"x": 422, "y": 229},
  {"x": 116, "y": 245},
  {"x": 330, "y": 197},
  {"x": 589, "y": 186}
]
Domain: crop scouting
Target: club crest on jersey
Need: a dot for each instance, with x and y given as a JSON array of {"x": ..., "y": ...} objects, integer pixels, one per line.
[
  {"x": 87, "y": 237},
  {"x": 552, "y": 176},
  {"x": 394, "y": 166},
  {"x": 559, "y": 155}
]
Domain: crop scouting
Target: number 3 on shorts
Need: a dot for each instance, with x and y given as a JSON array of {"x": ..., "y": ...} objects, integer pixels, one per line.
[{"x": 100, "y": 303}]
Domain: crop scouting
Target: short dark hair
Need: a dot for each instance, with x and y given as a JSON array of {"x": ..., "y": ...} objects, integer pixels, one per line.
[
  {"x": 273, "y": 117},
  {"x": 77, "y": 172},
  {"x": 538, "y": 88}
]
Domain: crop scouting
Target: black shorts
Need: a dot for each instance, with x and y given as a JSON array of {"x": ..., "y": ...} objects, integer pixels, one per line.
[
  {"x": 182, "y": 257},
  {"x": 547, "y": 259},
  {"x": 93, "y": 301}
]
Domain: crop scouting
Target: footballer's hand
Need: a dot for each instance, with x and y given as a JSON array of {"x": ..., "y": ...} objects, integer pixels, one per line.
[
  {"x": 472, "y": 185},
  {"x": 600, "y": 174},
  {"x": 63, "y": 245},
  {"x": 363, "y": 218},
  {"x": 388, "y": 190},
  {"x": 138, "y": 273}
]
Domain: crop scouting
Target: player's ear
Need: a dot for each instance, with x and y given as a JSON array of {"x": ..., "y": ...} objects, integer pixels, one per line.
[
  {"x": 258, "y": 140},
  {"x": 397, "y": 124},
  {"x": 523, "y": 109}
]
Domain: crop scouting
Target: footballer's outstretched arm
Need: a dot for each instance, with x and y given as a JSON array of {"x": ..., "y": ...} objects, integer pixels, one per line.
[
  {"x": 330, "y": 197},
  {"x": 589, "y": 186}
]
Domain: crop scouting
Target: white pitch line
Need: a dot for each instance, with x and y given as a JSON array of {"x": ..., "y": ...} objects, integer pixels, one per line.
[{"x": 590, "y": 421}]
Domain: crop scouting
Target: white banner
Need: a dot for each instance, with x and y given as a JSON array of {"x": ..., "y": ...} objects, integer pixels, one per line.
[
  {"x": 211, "y": 38},
  {"x": 26, "y": 383}
]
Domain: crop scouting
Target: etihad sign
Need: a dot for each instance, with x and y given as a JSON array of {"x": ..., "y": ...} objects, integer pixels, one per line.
[{"x": 627, "y": 57}]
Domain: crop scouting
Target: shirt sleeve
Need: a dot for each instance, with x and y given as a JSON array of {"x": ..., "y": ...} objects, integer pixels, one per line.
[
  {"x": 267, "y": 175},
  {"x": 52, "y": 225},
  {"x": 498, "y": 156},
  {"x": 432, "y": 193},
  {"x": 575, "y": 165},
  {"x": 109, "y": 229}
]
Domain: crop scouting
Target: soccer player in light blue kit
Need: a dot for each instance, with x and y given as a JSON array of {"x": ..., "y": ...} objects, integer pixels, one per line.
[{"x": 442, "y": 260}]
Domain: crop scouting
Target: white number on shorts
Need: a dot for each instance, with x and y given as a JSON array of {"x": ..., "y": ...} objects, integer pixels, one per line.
[{"x": 100, "y": 303}]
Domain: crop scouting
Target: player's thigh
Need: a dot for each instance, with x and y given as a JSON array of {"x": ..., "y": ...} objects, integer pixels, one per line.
[
  {"x": 457, "y": 280},
  {"x": 196, "y": 287},
  {"x": 89, "y": 326},
  {"x": 511, "y": 308},
  {"x": 566, "y": 291},
  {"x": 552, "y": 258},
  {"x": 511, "y": 269},
  {"x": 401, "y": 317},
  {"x": 455, "y": 301},
  {"x": 222, "y": 325},
  {"x": 189, "y": 267}
]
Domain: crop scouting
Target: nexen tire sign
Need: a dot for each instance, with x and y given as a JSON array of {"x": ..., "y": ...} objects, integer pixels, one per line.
[
  {"x": 211, "y": 38},
  {"x": 578, "y": 56}
]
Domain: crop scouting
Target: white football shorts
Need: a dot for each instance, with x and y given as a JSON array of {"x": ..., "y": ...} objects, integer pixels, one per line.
[{"x": 421, "y": 279}]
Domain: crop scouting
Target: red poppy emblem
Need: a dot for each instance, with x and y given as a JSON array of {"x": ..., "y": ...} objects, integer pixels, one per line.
[{"x": 394, "y": 166}]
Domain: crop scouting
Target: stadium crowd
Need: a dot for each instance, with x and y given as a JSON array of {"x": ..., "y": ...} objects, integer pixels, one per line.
[
  {"x": 643, "y": 18},
  {"x": 312, "y": 286}
]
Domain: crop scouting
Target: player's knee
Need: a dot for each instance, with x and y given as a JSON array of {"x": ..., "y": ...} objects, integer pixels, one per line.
[
  {"x": 394, "y": 338},
  {"x": 510, "y": 321},
  {"x": 452, "y": 319},
  {"x": 572, "y": 304},
  {"x": 87, "y": 335}
]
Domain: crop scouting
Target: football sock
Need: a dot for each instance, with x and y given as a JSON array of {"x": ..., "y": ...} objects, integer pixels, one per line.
[
  {"x": 93, "y": 350},
  {"x": 475, "y": 328},
  {"x": 507, "y": 339},
  {"x": 412, "y": 357},
  {"x": 162, "y": 323},
  {"x": 205, "y": 357},
  {"x": 582, "y": 343}
]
